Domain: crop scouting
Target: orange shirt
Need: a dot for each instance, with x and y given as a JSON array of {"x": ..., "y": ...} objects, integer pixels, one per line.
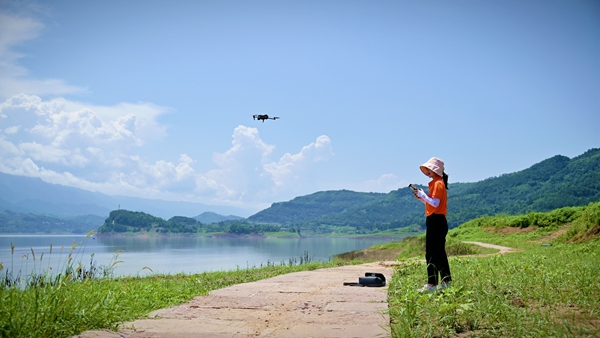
[{"x": 437, "y": 189}]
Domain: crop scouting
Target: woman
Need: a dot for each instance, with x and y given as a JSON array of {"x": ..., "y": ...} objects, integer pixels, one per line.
[{"x": 438, "y": 269}]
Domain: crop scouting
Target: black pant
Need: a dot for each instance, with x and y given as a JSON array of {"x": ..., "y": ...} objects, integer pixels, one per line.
[{"x": 435, "y": 249}]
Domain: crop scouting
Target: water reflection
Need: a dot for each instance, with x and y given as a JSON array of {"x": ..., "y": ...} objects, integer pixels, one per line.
[{"x": 174, "y": 254}]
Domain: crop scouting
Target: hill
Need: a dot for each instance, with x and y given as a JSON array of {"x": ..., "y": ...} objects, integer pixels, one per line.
[
  {"x": 17, "y": 223},
  {"x": 135, "y": 222},
  {"x": 553, "y": 183},
  {"x": 209, "y": 217},
  {"x": 319, "y": 204}
]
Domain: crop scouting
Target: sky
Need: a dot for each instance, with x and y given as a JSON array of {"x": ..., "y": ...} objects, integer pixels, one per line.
[{"x": 155, "y": 98}]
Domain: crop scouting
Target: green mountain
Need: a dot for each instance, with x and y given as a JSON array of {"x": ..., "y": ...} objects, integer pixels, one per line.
[
  {"x": 553, "y": 183},
  {"x": 209, "y": 217},
  {"x": 12, "y": 222},
  {"x": 120, "y": 221},
  {"x": 319, "y": 204}
]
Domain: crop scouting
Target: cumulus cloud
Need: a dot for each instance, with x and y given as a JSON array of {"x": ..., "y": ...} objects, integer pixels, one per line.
[
  {"x": 60, "y": 135},
  {"x": 63, "y": 121},
  {"x": 96, "y": 148},
  {"x": 247, "y": 172},
  {"x": 292, "y": 168}
]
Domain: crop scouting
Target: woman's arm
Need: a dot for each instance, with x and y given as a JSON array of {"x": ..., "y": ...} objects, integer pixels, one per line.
[{"x": 429, "y": 200}]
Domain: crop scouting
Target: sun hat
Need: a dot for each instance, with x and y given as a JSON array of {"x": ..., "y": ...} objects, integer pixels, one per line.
[{"x": 434, "y": 164}]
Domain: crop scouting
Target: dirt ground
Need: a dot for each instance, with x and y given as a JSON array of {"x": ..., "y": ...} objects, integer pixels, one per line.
[
  {"x": 302, "y": 304},
  {"x": 502, "y": 249}
]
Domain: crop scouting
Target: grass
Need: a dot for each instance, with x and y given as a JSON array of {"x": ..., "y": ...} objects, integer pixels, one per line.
[
  {"x": 547, "y": 292},
  {"x": 540, "y": 291},
  {"x": 408, "y": 248},
  {"x": 67, "y": 309},
  {"x": 282, "y": 234},
  {"x": 82, "y": 298}
]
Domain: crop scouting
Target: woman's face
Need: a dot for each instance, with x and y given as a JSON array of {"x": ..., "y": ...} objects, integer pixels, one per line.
[{"x": 429, "y": 173}]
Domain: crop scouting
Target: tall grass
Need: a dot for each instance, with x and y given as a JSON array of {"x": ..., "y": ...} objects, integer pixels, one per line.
[
  {"x": 548, "y": 292},
  {"x": 34, "y": 271},
  {"x": 544, "y": 291},
  {"x": 69, "y": 305}
]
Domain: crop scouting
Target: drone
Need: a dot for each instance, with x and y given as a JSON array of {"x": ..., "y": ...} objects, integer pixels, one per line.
[{"x": 264, "y": 117}]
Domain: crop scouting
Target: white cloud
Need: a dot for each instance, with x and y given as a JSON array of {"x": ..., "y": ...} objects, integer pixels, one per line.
[
  {"x": 94, "y": 148},
  {"x": 51, "y": 154},
  {"x": 12, "y": 130},
  {"x": 53, "y": 133},
  {"x": 385, "y": 183},
  {"x": 15, "y": 30},
  {"x": 292, "y": 169},
  {"x": 63, "y": 121},
  {"x": 247, "y": 173}
]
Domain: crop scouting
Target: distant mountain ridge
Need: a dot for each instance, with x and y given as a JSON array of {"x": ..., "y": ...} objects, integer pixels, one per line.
[
  {"x": 209, "y": 217},
  {"x": 550, "y": 184},
  {"x": 553, "y": 183},
  {"x": 22, "y": 194},
  {"x": 319, "y": 204}
]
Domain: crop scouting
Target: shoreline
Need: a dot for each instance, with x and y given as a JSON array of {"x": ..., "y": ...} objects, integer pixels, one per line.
[
  {"x": 227, "y": 235},
  {"x": 215, "y": 235}
]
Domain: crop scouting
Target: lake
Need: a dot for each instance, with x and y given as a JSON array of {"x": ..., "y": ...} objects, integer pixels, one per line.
[{"x": 167, "y": 255}]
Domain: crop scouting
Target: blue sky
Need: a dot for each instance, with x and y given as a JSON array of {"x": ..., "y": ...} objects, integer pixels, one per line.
[{"x": 155, "y": 99}]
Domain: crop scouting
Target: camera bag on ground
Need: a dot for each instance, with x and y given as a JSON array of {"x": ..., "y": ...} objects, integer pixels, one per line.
[{"x": 371, "y": 279}]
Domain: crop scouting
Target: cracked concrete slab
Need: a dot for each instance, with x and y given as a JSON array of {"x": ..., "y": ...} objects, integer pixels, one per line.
[{"x": 302, "y": 304}]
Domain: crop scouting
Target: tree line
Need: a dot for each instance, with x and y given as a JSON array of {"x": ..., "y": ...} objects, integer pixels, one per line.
[{"x": 121, "y": 221}]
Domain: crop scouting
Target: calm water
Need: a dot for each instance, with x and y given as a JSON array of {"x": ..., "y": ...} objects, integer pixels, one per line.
[{"x": 168, "y": 254}]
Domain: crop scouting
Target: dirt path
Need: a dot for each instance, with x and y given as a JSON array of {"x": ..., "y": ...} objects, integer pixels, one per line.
[
  {"x": 302, "y": 304},
  {"x": 503, "y": 249}
]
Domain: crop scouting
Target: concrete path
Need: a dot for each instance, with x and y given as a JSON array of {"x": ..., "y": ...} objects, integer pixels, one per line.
[{"x": 302, "y": 304}]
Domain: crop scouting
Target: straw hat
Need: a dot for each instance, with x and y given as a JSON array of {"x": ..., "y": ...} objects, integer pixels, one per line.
[{"x": 434, "y": 164}]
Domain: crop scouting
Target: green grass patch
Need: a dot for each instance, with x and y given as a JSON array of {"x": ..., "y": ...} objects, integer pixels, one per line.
[
  {"x": 69, "y": 308},
  {"x": 282, "y": 234},
  {"x": 549, "y": 289},
  {"x": 546, "y": 292}
]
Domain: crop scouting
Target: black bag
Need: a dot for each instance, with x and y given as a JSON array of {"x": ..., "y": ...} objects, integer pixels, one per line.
[{"x": 371, "y": 279}]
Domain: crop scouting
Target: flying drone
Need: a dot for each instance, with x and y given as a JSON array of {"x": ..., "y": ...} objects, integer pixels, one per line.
[{"x": 264, "y": 117}]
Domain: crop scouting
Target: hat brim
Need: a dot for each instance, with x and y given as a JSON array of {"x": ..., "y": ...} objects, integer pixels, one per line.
[{"x": 437, "y": 170}]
